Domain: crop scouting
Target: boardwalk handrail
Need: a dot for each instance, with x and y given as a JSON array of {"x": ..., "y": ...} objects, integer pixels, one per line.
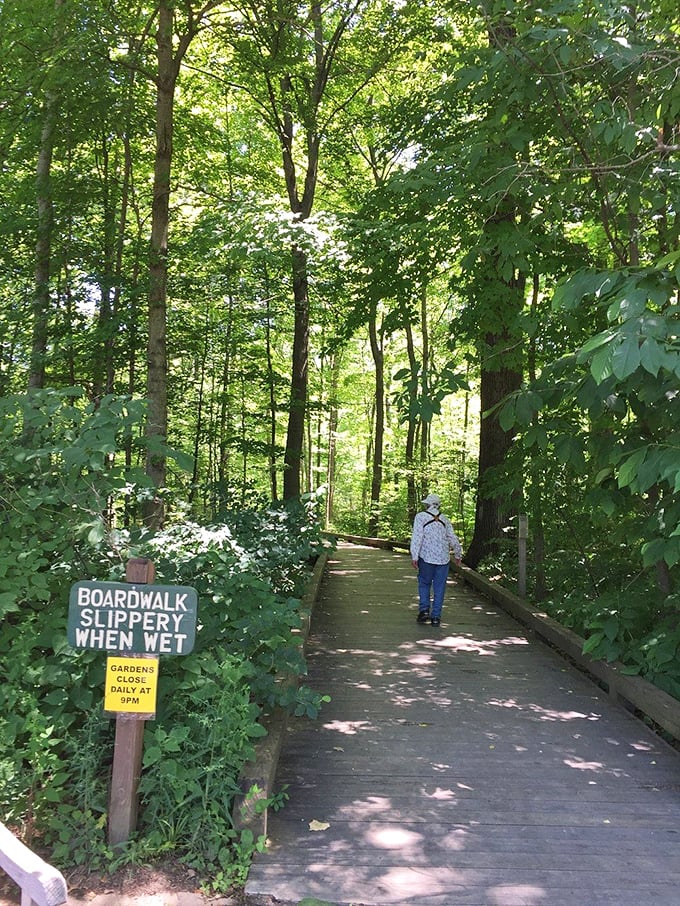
[
  {"x": 256, "y": 781},
  {"x": 633, "y": 692},
  {"x": 385, "y": 543},
  {"x": 40, "y": 883}
]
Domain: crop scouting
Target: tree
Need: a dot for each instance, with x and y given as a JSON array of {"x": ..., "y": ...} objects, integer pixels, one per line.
[
  {"x": 309, "y": 65},
  {"x": 172, "y": 44}
]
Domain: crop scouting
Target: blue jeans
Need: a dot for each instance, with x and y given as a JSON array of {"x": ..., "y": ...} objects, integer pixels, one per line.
[{"x": 432, "y": 576}]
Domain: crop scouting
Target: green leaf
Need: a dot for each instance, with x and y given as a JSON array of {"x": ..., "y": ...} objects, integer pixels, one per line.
[
  {"x": 256, "y": 731},
  {"x": 652, "y": 356},
  {"x": 8, "y": 603},
  {"x": 611, "y": 628},
  {"x": 152, "y": 755},
  {"x": 536, "y": 436},
  {"x": 96, "y": 534},
  {"x": 506, "y": 417},
  {"x": 648, "y": 471},
  {"x": 603, "y": 475},
  {"x": 586, "y": 282},
  {"x": 606, "y": 336},
  {"x": 628, "y": 470},
  {"x": 527, "y": 405},
  {"x": 593, "y": 642},
  {"x": 601, "y": 365},
  {"x": 625, "y": 357},
  {"x": 671, "y": 553},
  {"x": 653, "y": 551}
]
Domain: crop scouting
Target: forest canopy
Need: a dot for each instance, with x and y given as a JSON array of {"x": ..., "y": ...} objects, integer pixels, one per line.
[
  {"x": 269, "y": 267},
  {"x": 362, "y": 248}
]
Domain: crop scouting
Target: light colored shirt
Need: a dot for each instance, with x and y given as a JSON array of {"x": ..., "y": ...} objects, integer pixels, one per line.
[{"x": 433, "y": 537}]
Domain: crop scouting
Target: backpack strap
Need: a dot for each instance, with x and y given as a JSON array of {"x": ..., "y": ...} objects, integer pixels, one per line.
[{"x": 434, "y": 519}]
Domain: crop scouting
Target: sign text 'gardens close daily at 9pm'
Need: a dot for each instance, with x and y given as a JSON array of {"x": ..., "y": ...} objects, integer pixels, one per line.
[
  {"x": 131, "y": 684},
  {"x": 139, "y": 619}
]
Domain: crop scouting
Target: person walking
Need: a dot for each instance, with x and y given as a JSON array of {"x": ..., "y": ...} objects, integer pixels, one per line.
[{"x": 432, "y": 539}]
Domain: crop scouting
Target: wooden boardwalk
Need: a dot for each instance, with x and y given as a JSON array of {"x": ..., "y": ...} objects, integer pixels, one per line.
[{"x": 468, "y": 764}]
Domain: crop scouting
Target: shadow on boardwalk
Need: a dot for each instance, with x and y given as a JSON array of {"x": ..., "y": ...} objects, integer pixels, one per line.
[{"x": 462, "y": 765}]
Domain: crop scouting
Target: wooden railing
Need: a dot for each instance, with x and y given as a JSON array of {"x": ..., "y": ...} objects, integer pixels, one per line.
[
  {"x": 40, "y": 884},
  {"x": 257, "y": 778},
  {"x": 632, "y": 692}
]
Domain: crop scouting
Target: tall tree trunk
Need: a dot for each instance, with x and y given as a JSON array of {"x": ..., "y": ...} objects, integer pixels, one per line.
[
  {"x": 170, "y": 51},
  {"x": 43, "y": 247},
  {"x": 536, "y": 526},
  {"x": 496, "y": 382},
  {"x": 412, "y": 487},
  {"x": 379, "y": 432},
  {"x": 273, "y": 477},
  {"x": 115, "y": 214},
  {"x": 225, "y": 420},
  {"x": 462, "y": 479},
  {"x": 198, "y": 431},
  {"x": 332, "y": 437},
  {"x": 299, "y": 378},
  {"x": 295, "y": 104},
  {"x": 156, "y": 353},
  {"x": 425, "y": 391},
  {"x": 500, "y": 357}
]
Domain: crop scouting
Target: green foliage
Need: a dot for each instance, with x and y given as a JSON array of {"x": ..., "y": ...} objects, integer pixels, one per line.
[
  {"x": 61, "y": 476},
  {"x": 602, "y": 429},
  {"x": 639, "y": 632},
  {"x": 624, "y": 380},
  {"x": 64, "y": 490}
]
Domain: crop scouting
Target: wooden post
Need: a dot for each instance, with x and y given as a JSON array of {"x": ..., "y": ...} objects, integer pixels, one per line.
[
  {"x": 522, "y": 535},
  {"x": 127, "y": 750}
]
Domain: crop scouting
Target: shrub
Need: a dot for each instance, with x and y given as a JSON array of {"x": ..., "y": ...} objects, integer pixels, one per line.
[{"x": 63, "y": 488}]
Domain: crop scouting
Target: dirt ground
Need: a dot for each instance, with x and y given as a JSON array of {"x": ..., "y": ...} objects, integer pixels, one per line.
[{"x": 166, "y": 880}]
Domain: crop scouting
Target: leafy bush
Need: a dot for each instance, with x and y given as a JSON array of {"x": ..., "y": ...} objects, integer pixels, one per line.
[{"x": 64, "y": 489}]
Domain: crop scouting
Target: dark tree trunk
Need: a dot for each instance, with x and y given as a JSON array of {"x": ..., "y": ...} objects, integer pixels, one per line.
[
  {"x": 43, "y": 246},
  {"x": 170, "y": 51},
  {"x": 500, "y": 357},
  {"x": 273, "y": 478},
  {"x": 411, "y": 432},
  {"x": 379, "y": 427},
  {"x": 298, "y": 383},
  {"x": 494, "y": 443}
]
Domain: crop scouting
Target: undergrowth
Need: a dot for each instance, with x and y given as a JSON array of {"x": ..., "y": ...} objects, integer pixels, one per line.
[{"x": 62, "y": 488}]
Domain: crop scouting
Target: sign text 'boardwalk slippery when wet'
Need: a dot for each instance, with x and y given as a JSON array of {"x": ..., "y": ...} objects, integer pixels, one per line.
[{"x": 140, "y": 619}]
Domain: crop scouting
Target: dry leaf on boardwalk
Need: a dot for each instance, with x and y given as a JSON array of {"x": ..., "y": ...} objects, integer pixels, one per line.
[{"x": 315, "y": 825}]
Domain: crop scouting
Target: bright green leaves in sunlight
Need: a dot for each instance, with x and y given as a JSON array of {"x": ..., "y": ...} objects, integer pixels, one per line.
[
  {"x": 421, "y": 397},
  {"x": 642, "y": 310},
  {"x": 625, "y": 383}
]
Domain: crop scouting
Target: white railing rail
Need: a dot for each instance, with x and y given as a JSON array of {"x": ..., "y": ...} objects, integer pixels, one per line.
[{"x": 40, "y": 884}]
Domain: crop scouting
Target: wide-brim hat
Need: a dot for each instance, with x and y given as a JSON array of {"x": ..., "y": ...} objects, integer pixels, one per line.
[{"x": 432, "y": 500}]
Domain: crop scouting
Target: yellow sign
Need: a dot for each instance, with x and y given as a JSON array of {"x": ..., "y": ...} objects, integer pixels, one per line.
[{"x": 131, "y": 684}]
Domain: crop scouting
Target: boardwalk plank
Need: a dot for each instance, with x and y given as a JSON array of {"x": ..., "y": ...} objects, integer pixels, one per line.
[{"x": 467, "y": 765}]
